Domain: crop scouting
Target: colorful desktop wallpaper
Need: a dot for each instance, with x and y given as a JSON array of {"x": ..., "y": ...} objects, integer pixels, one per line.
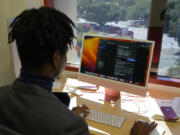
[{"x": 89, "y": 55}]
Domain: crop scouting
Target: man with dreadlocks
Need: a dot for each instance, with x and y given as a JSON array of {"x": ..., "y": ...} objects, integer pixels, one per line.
[{"x": 28, "y": 106}]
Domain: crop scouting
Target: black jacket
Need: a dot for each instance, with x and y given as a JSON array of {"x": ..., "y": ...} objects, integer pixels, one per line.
[{"x": 31, "y": 110}]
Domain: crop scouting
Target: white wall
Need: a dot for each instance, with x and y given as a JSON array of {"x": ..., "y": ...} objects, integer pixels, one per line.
[
  {"x": 69, "y": 7},
  {"x": 34, "y": 3},
  {"x": 16, "y": 65},
  {"x": 10, "y": 9}
]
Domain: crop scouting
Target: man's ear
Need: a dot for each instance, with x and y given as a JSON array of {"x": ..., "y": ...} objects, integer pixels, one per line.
[{"x": 55, "y": 59}]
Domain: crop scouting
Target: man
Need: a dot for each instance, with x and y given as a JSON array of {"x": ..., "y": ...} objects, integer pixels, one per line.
[
  {"x": 28, "y": 106},
  {"x": 43, "y": 37}
]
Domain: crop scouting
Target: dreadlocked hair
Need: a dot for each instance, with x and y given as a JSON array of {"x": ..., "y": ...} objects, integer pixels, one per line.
[{"x": 39, "y": 33}]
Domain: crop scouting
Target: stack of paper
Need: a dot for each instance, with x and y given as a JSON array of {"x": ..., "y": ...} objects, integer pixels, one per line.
[{"x": 176, "y": 105}]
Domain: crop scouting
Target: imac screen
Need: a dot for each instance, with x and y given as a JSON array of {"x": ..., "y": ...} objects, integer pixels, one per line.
[{"x": 120, "y": 60}]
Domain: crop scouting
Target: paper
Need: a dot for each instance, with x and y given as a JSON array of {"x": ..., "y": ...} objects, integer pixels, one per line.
[
  {"x": 158, "y": 131},
  {"x": 73, "y": 83},
  {"x": 176, "y": 105},
  {"x": 56, "y": 85},
  {"x": 163, "y": 102}
]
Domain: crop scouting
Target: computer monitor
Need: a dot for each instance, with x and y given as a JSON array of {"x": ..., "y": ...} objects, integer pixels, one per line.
[{"x": 116, "y": 63}]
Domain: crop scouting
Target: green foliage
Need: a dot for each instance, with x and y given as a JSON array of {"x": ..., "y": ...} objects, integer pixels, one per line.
[
  {"x": 139, "y": 11},
  {"x": 172, "y": 26},
  {"x": 98, "y": 11},
  {"x": 125, "y": 3},
  {"x": 101, "y": 11},
  {"x": 178, "y": 31},
  {"x": 174, "y": 71}
]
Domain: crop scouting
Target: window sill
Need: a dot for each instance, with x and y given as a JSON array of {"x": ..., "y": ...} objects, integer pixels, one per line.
[
  {"x": 164, "y": 81},
  {"x": 154, "y": 79},
  {"x": 72, "y": 67}
]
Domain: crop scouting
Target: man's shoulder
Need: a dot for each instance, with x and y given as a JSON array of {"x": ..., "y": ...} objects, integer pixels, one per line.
[
  {"x": 57, "y": 117},
  {"x": 44, "y": 111},
  {"x": 54, "y": 109},
  {"x": 5, "y": 89}
]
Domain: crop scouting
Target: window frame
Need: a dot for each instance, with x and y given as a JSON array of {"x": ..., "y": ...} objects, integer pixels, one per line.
[{"x": 154, "y": 78}]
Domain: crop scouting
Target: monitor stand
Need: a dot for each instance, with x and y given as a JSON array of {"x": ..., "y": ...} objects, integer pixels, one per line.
[{"x": 111, "y": 95}]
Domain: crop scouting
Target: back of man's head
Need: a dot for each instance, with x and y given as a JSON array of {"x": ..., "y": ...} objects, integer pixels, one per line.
[{"x": 39, "y": 33}]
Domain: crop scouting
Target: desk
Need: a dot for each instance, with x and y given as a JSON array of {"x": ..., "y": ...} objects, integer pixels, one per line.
[{"x": 131, "y": 107}]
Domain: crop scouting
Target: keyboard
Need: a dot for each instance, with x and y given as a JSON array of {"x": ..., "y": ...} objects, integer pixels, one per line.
[{"x": 105, "y": 118}]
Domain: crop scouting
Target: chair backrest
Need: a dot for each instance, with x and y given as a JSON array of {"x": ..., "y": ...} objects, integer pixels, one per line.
[{"x": 7, "y": 131}]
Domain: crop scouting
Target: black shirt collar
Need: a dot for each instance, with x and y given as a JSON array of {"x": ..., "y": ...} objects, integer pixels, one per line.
[{"x": 42, "y": 81}]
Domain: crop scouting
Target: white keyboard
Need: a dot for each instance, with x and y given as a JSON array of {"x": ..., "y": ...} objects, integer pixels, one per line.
[{"x": 105, "y": 118}]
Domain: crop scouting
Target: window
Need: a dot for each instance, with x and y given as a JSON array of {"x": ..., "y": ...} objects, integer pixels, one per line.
[
  {"x": 169, "y": 64},
  {"x": 129, "y": 18},
  {"x": 119, "y": 18}
]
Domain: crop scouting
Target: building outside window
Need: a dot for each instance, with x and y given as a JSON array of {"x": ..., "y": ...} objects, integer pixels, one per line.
[
  {"x": 169, "y": 64},
  {"x": 129, "y": 19},
  {"x": 118, "y": 18}
]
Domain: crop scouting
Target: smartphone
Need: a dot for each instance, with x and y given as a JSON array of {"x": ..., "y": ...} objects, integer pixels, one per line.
[{"x": 169, "y": 113}]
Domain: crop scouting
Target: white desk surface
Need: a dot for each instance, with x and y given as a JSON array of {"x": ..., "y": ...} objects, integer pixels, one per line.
[{"x": 131, "y": 107}]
